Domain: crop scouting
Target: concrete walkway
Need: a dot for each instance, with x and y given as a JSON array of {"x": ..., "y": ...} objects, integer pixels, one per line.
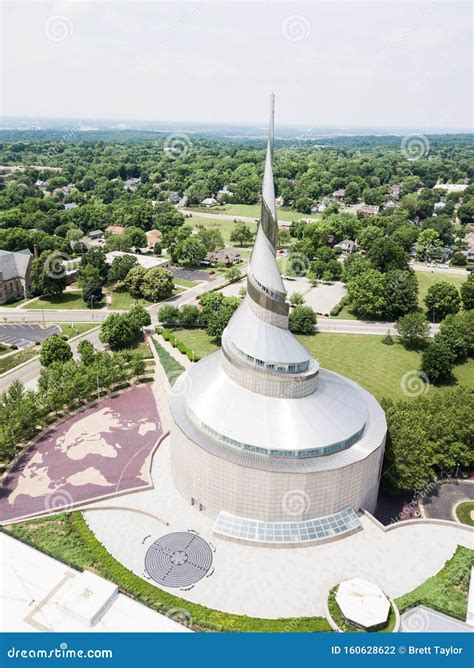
[{"x": 265, "y": 582}]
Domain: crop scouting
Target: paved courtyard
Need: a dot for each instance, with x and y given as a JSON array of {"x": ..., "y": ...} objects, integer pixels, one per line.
[
  {"x": 266, "y": 582},
  {"x": 102, "y": 450}
]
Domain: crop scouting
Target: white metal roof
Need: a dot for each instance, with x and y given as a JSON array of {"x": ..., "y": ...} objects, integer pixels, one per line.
[{"x": 362, "y": 602}]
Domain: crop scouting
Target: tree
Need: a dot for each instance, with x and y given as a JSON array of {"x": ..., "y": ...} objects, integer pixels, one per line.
[
  {"x": 189, "y": 316},
  {"x": 241, "y": 234},
  {"x": 426, "y": 436},
  {"x": 401, "y": 292},
  {"x": 118, "y": 330},
  {"x": 387, "y": 254},
  {"x": 211, "y": 239},
  {"x": 134, "y": 280},
  {"x": 48, "y": 274},
  {"x": 120, "y": 267},
  {"x": 191, "y": 251},
  {"x": 302, "y": 320},
  {"x": 437, "y": 360},
  {"x": 96, "y": 257},
  {"x": 157, "y": 284},
  {"x": 354, "y": 265},
  {"x": 466, "y": 212},
  {"x": 368, "y": 236},
  {"x": 413, "y": 330},
  {"x": 86, "y": 352},
  {"x": 441, "y": 299},
  {"x": 217, "y": 320},
  {"x": 135, "y": 237},
  {"x": 157, "y": 248},
  {"x": 467, "y": 292},
  {"x": 139, "y": 316},
  {"x": 88, "y": 275},
  {"x": 169, "y": 315},
  {"x": 296, "y": 299},
  {"x": 457, "y": 331},
  {"x": 367, "y": 293},
  {"x": 428, "y": 242},
  {"x": 92, "y": 295},
  {"x": 55, "y": 349}
]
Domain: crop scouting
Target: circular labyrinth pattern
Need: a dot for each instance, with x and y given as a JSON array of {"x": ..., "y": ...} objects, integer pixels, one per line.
[{"x": 178, "y": 559}]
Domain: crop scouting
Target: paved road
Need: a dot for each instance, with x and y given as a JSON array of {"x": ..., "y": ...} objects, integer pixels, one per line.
[
  {"x": 28, "y": 373},
  {"x": 441, "y": 501}
]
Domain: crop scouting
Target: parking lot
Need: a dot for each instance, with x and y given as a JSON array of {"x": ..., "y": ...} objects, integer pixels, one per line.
[{"x": 25, "y": 335}]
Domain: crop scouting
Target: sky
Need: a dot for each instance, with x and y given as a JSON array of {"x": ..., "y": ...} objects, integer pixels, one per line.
[{"x": 371, "y": 64}]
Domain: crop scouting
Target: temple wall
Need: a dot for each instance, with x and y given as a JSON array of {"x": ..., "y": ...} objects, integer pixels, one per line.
[{"x": 218, "y": 484}]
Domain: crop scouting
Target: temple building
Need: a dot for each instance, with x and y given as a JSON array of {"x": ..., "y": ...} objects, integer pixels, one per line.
[{"x": 275, "y": 449}]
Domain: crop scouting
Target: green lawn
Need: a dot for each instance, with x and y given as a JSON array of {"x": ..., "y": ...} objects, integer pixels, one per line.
[
  {"x": 4, "y": 349},
  {"x": 463, "y": 512},
  {"x": 68, "y": 538},
  {"x": 173, "y": 369},
  {"x": 225, "y": 227},
  {"x": 377, "y": 367},
  {"x": 11, "y": 361},
  {"x": 197, "y": 340},
  {"x": 447, "y": 590},
  {"x": 75, "y": 328},
  {"x": 67, "y": 300},
  {"x": 253, "y": 211},
  {"x": 427, "y": 278},
  {"x": 184, "y": 283},
  {"x": 17, "y": 302},
  {"x": 122, "y": 300}
]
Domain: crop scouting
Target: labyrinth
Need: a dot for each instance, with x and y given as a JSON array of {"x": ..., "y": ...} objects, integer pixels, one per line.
[{"x": 178, "y": 559}]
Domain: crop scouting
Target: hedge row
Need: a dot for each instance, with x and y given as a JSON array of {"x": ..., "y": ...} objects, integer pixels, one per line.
[
  {"x": 338, "y": 308},
  {"x": 177, "y": 343},
  {"x": 199, "y": 617}
]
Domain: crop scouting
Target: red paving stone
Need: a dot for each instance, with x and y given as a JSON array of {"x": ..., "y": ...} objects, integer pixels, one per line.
[{"x": 102, "y": 450}]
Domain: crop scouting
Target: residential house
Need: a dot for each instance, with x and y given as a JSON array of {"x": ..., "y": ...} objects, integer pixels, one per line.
[
  {"x": 279, "y": 201},
  {"x": 339, "y": 194},
  {"x": 153, "y": 237},
  {"x": 174, "y": 197},
  {"x": 209, "y": 201},
  {"x": 15, "y": 270},
  {"x": 95, "y": 235},
  {"x": 394, "y": 190},
  {"x": 368, "y": 210},
  {"x": 222, "y": 194},
  {"x": 131, "y": 183},
  {"x": 438, "y": 206},
  {"x": 69, "y": 206},
  {"x": 227, "y": 256},
  {"x": 347, "y": 246},
  {"x": 115, "y": 229}
]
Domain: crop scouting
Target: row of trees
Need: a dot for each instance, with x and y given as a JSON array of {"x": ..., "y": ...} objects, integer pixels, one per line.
[{"x": 426, "y": 437}]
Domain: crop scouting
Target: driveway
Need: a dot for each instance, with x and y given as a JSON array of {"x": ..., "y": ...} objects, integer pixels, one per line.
[
  {"x": 21, "y": 335},
  {"x": 101, "y": 451},
  {"x": 192, "y": 275},
  {"x": 440, "y": 502}
]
